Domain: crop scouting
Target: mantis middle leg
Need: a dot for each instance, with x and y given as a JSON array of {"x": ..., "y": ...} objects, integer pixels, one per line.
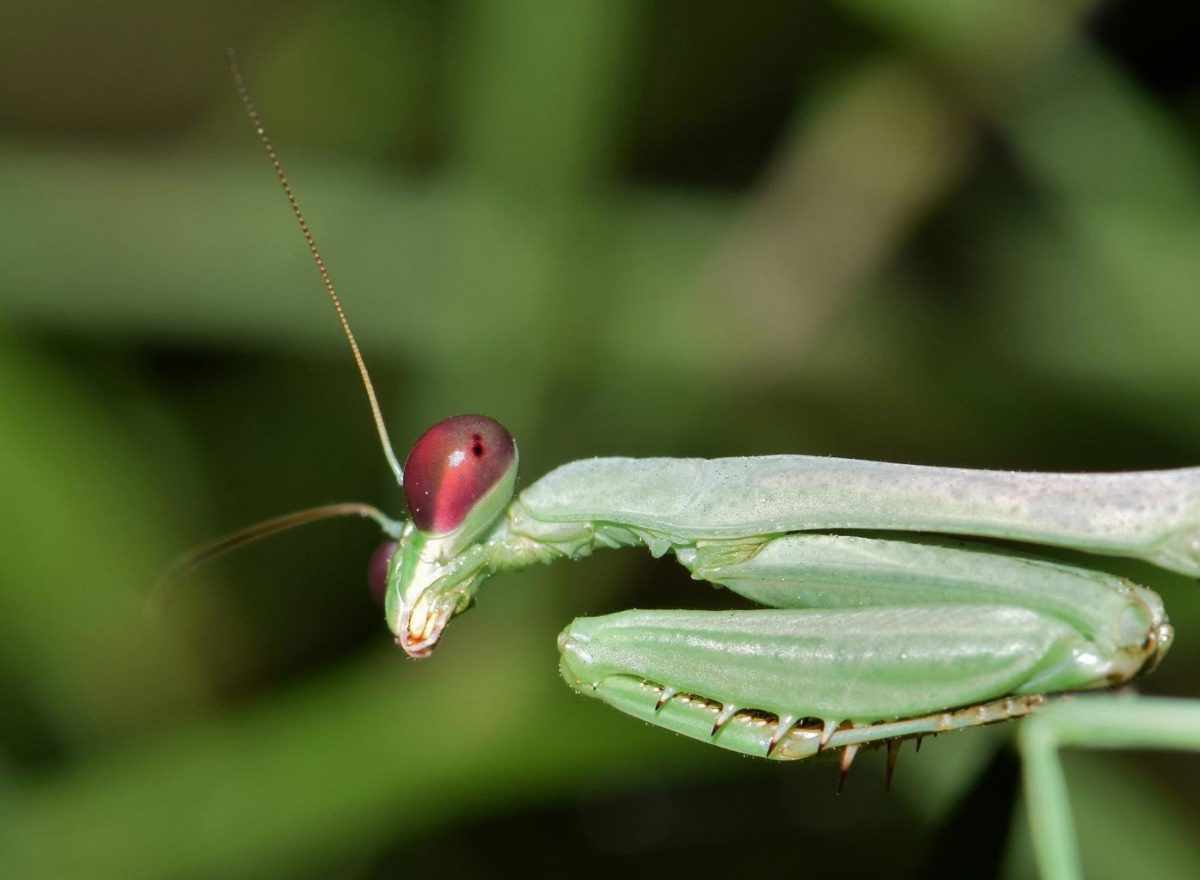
[{"x": 1099, "y": 721}]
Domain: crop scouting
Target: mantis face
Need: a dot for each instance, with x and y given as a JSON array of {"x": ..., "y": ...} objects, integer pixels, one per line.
[{"x": 459, "y": 478}]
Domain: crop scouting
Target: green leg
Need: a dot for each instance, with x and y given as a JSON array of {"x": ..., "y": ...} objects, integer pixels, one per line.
[
  {"x": 782, "y": 683},
  {"x": 1107, "y": 722}
]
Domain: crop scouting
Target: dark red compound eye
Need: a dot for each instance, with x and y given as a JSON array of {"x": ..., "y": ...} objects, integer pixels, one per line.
[
  {"x": 377, "y": 569},
  {"x": 452, "y": 466}
]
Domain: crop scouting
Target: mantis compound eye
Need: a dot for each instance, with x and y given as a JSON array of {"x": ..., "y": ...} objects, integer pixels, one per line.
[
  {"x": 377, "y": 569},
  {"x": 453, "y": 467}
]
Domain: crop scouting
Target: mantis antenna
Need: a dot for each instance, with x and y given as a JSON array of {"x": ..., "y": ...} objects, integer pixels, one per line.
[
  {"x": 252, "y": 112},
  {"x": 192, "y": 560}
]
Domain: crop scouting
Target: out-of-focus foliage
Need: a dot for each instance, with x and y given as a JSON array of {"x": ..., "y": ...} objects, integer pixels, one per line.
[{"x": 943, "y": 231}]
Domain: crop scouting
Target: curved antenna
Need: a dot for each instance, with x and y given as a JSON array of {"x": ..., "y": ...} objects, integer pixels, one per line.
[
  {"x": 193, "y": 559},
  {"x": 252, "y": 112}
]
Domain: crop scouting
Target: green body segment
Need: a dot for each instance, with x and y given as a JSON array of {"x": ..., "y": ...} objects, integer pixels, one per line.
[
  {"x": 1152, "y": 515},
  {"x": 888, "y": 633}
]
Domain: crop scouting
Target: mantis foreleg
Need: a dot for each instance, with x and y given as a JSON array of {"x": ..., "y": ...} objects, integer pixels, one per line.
[
  {"x": 846, "y": 571},
  {"x": 923, "y": 627}
]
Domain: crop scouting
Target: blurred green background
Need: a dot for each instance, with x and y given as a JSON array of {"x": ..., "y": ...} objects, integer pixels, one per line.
[{"x": 960, "y": 233}]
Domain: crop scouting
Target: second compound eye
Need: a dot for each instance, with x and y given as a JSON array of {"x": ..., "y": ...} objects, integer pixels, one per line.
[
  {"x": 452, "y": 466},
  {"x": 377, "y": 569}
]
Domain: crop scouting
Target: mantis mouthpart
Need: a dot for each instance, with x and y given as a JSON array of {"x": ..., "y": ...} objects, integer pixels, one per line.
[{"x": 888, "y": 613}]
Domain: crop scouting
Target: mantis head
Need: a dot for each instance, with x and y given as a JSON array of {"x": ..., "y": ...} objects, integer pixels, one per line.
[{"x": 458, "y": 480}]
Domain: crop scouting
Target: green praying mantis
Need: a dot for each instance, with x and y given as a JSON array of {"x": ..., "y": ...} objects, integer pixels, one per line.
[{"x": 888, "y": 611}]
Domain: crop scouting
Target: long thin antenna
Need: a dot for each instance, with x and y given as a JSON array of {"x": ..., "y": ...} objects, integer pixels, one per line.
[
  {"x": 195, "y": 558},
  {"x": 244, "y": 94}
]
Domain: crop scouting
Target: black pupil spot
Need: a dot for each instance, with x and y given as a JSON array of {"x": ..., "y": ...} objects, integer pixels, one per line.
[{"x": 476, "y": 445}]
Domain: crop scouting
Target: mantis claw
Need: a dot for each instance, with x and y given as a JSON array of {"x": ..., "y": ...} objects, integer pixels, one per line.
[
  {"x": 826, "y": 732},
  {"x": 782, "y": 728},
  {"x": 727, "y": 712},
  {"x": 664, "y": 697},
  {"x": 893, "y": 754},
  {"x": 848, "y": 753}
]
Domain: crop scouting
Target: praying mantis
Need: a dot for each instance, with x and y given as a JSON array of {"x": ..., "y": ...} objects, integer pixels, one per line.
[{"x": 889, "y": 608}]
